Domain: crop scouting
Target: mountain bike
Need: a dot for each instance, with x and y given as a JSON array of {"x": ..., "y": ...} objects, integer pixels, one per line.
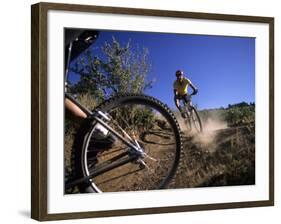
[
  {"x": 129, "y": 142},
  {"x": 190, "y": 115}
]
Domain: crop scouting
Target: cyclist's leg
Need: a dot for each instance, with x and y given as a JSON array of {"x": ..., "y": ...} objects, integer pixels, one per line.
[
  {"x": 187, "y": 100},
  {"x": 177, "y": 102}
]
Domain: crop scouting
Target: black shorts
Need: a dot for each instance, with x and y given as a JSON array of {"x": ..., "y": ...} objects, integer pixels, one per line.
[{"x": 182, "y": 97}]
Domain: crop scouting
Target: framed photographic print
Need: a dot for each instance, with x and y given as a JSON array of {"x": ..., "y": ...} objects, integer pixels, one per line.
[{"x": 139, "y": 111}]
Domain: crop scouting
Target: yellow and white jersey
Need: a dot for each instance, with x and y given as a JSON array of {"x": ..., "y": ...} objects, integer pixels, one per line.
[{"x": 182, "y": 86}]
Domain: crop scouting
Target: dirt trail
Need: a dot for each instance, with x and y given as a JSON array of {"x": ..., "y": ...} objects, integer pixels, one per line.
[{"x": 220, "y": 156}]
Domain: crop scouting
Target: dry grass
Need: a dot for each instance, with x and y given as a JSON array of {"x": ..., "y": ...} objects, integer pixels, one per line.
[{"x": 87, "y": 100}]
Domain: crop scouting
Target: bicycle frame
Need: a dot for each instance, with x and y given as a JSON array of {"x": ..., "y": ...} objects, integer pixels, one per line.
[{"x": 190, "y": 112}]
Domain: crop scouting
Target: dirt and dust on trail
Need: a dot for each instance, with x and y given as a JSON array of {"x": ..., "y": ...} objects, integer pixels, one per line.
[
  {"x": 219, "y": 156},
  {"x": 207, "y": 137}
]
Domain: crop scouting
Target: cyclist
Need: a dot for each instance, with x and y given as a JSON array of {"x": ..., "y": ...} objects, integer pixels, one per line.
[{"x": 181, "y": 85}]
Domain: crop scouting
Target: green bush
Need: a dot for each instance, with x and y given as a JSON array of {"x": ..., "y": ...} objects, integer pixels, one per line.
[
  {"x": 239, "y": 115},
  {"x": 119, "y": 69},
  {"x": 134, "y": 118}
]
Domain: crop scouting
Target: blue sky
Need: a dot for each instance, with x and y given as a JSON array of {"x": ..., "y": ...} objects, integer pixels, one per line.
[{"x": 221, "y": 67}]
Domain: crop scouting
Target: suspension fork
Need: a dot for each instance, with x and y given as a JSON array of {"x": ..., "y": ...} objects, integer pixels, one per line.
[{"x": 130, "y": 144}]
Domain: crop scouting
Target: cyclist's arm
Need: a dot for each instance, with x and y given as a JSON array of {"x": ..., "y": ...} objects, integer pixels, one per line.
[
  {"x": 194, "y": 89},
  {"x": 74, "y": 109},
  {"x": 175, "y": 92}
]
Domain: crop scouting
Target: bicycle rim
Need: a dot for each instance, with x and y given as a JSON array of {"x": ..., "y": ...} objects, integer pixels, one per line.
[
  {"x": 196, "y": 121},
  {"x": 154, "y": 127},
  {"x": 187, "y": 119}
]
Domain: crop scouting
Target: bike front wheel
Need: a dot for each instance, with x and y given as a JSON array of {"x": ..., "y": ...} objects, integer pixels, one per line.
[
  {"x": 195, "y": 121},
  {"x": 142, "y": 120}
]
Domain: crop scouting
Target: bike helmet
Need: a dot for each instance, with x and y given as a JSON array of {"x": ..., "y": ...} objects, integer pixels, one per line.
[{"x": 179, "y": 73}]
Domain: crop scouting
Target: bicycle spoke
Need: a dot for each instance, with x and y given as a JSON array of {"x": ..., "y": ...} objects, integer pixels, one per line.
[{"x": 150, "y": 147}]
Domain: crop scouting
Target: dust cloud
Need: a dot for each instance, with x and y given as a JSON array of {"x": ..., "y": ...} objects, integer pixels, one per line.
[
  {"x": 213, "y": 125},
  {"x": 210, "y": 127}
]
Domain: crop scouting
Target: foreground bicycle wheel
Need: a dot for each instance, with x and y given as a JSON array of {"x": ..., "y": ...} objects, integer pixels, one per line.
[{"x": 143, "y": 121}]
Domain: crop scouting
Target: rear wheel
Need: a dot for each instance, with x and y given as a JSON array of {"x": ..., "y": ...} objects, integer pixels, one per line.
[{"x": 148, "y": 123}]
